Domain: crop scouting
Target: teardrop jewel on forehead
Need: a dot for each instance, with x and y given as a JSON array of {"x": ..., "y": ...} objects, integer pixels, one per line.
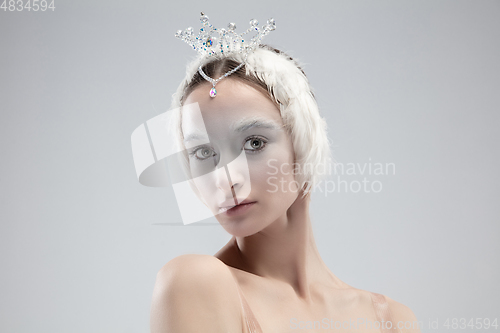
[
  {"x": 213, "y": 91},
  {"x": 213, "y": 42}
]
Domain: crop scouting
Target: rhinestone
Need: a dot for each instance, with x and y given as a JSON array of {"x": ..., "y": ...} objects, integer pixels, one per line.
[
  {"x": 213, "y": 92},
  {"x": 272, "y": 24},
  {"x": 204, "y": 18},
  {"x": 254, "y": 23},
  {"x": 231, "y": 26}
]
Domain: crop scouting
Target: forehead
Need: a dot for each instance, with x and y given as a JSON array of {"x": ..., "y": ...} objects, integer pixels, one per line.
[{"x": 236, "y": 104}]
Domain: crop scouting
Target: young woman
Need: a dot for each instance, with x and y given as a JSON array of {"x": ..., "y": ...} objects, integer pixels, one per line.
[{"x": 269, "y": 277}]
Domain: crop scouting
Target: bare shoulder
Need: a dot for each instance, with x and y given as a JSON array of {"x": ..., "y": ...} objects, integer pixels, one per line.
[
  {"x": 358, "y": 298},
  {"x": 195, "y": 293},
  {"x": 193, "y": 268},
  {"x": 402, "y": 314}
]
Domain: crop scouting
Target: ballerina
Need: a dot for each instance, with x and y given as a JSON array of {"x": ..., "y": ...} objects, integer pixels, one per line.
[{"x": 270, "y": 276}]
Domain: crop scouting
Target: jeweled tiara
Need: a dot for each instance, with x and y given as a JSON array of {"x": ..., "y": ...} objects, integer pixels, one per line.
[{"x": 212, "y": 42}]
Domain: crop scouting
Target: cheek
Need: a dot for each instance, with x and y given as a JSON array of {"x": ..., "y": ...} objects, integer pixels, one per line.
[
  {"x": 273, "y": 169},
  {"x": 206, "y": 187},
  {"x": 200, "y": 185}
]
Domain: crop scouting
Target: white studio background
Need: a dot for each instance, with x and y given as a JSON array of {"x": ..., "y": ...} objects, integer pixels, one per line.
[{"x": 414, "y": 83}]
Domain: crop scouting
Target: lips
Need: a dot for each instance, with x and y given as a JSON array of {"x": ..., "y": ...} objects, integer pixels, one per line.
[
  {"x": 231, "y": 202},
  {"x": 238, "y": 209},
  {"x": 231, "y": 207}
]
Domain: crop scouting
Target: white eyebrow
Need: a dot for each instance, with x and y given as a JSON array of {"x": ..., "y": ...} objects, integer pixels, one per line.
[
  {"x": 247, "y": 123},
  {"x": 241, "y": 126},
  {"x": 195, "y": 136}
]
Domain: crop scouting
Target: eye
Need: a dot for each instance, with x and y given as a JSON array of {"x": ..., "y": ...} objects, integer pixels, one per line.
[
  {"x": 255, "y": 144},
  {"x": 202, "y": 153}
]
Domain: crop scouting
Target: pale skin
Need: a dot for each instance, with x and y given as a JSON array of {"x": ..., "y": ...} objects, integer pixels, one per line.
[{"x": 272, "y": 255}]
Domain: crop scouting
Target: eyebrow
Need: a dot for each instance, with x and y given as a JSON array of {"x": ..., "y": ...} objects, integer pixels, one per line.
[
  {"x": 257, "y": 122},
  {"x": 195, "y": 136},
  {"x": 241, "y": 126}
]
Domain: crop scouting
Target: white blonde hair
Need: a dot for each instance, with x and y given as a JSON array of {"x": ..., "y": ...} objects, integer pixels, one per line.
[{"x": 288, "y": 86}]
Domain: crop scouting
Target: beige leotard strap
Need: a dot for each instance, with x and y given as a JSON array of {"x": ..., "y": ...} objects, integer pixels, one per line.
[
  {"x": 383, "y": 313},
  {"x": 250, "y": 320}
]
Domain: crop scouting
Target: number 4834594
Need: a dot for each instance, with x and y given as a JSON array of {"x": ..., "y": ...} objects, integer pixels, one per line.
[{"x": 29, "y": 5}]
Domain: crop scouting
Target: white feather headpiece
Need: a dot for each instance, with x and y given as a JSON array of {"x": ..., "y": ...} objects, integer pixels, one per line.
[{"x": 289, "y": 88}]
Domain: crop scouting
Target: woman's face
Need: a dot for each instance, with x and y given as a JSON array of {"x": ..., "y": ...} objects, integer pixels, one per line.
[{"x": 249, "y": 157}]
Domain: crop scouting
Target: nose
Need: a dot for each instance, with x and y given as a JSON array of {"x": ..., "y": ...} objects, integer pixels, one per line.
[
  {"x": 231, "y": 174},
  {"x": 228, "y": 180}
]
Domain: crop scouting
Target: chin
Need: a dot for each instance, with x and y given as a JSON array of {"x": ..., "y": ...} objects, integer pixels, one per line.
[{"x": 239, "y": 228}]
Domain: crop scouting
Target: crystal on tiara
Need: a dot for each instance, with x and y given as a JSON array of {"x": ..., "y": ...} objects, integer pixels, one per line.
[{"x": 212, "y": 41}]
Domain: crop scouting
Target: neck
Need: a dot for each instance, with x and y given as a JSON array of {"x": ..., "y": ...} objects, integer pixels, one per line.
[{"x": 285, "y": 251}]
